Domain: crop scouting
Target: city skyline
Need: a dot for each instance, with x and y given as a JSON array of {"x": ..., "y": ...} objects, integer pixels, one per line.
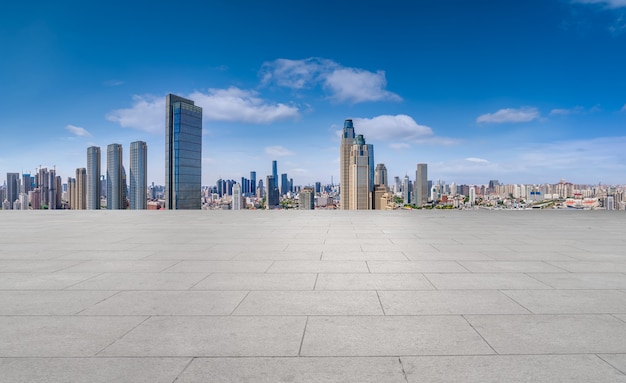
[{"x": 475, "y": 90}]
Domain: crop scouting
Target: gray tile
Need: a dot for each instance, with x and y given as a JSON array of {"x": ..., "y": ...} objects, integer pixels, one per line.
[
  {"x": 141, "y": 281},
  {"x": 169, "y": 303},
  {"x": 41, "y": 281},
  {"x": 570, "y": 301},
  {"x": 120, "y": 266},
  {"x": 212, "y": 336},
  {"x": 53, "y": 302},
  {"x": 444, "y": 302},
  {"x": 192, "y": 255},
  {"x": 387, "y": 281},
  {"x": 295, "y": 370},
  {"x": 608, "y": 281},
  {"x": 592, "y": 266},
  {"x": 220, "y": 266},
  {"x": 363, "y": 256},
  {"x": 318, "y": 267},
  {"x": 278, "y": 256},
  {"x": 42, "y": 336},
  {"x": 391, "y": 335},
  {"x": 484, "y": 281},
  {"x": 34, "y": 266},
  {"x": 433, "y": 255},
  {"x": 256, "y": 281},
  {"x": 510, "y": 369},
  {"x": 415, "y": 267},
  {"x": 551, "y": 334},
  {"x": 93, "y": 370},
  {"x": 311, "y": 303},
  {"x": 618, "y": 361},
  {"x": 511, "y": 266},
  {"x": 103, "y": 255}
]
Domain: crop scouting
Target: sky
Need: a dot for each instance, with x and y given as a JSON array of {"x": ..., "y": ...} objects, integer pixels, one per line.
[{"x": 522, "y": 91}]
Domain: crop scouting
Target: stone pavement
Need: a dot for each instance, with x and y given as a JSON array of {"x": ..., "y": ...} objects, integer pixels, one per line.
[{"x": 319, "y": 296}]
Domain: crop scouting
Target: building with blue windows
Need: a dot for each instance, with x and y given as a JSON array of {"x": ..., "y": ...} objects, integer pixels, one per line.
[
  {"x": 138, "y": 175},
  {"x": 183, "y": 154}
]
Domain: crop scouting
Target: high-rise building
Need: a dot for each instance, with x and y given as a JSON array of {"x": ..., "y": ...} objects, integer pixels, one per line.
[
  {"x": 237, "y": 198},
  {"x": 359, "y": 181},
  {"x": 273, "y": 195},
  {"x": 27, "y": 183},
  {"x": 138, "y": 175},
  {"x": 253, "y": 183},
  {"x": 13, "y": 188},
  {"x": 306, "y": 199},
  {"x": 183, "y": 154},
  {"x": 380, "y": 175},
  {"x": 406, "y": 190},
  {"x": 284, "y": 184},
  {"x": 275, "y": 171},
  {"x": 80, "y": 197},
  {"x": 347, "y": 141},
  {"x": 370, "y": 164},
  {"x": 472, "y": 195},
  {"x": 421, "y": 184},
  {"x": 115, "y": 184},
  {"x": 378, "y": 200},
  {"x": 93, "y": 178}
]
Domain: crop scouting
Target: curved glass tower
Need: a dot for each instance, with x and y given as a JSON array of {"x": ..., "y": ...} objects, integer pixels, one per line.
[{"x": 183, "y": 153}]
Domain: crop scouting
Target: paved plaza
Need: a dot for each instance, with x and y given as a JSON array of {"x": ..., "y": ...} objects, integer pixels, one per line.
[{"x": 313, "y": 296}]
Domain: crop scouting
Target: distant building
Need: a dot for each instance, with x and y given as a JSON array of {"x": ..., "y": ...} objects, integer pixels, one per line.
[
  {"x": 421, "y": 185},
  {"x": 13, "y": 188},
  {"x": 378, "y": 200},
  {"x": 237, "y": 198},
  {"x": 273, "y": 195},
  {"x": 359, "y": 181},
  {"x": 380, "y": 175},
  {"x": 284, "y": 184},
  {"x": 115, "y": 185},
  {"x": 406, "y": 190},
  {"x": 80, "y": 195},
  {"x": 183, "y": 154},
  {"x": 306, "y": 199},
  {"x": 138, "y": 175},
  {"x": 347, "y": 141},
  {"x": 472, "y": 195},
  {"x": 275, "y": 172},
  {"x": 93, "y": 178},
  {"x": 253, "y": 183}
]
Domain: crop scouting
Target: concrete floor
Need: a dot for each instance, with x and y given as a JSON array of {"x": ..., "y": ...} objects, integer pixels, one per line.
[{"x": 320, "y": 296}]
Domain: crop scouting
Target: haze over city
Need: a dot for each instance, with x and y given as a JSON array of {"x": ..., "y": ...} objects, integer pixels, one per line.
[{"x": 523, "y": 92}]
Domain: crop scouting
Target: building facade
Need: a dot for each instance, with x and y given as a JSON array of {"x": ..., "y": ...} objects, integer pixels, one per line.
[
  {"x": 237, "y": 198},
  {"x": 306, "y": 199},
  {"x": 115, "y": 185},
  {"x": 13, "y": 188},
  {"x": 421, "y": 185},
  {"x": 183, "y": 154},
  {"x": 347, "y": 141},
  {"x": 93, "y": 177},
  {"x": 359, "y": 180},
  {"x": 138, "y": 175},
  {"x": 380, "y": 175}
]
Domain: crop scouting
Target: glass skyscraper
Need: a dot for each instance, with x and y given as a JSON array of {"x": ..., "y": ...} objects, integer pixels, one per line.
[
  {"x": 93, "y": 178},
  {"x": 183, "y": 153},
  {"x": 116, "y": 187},
  {"x": 138, "y": 175}
]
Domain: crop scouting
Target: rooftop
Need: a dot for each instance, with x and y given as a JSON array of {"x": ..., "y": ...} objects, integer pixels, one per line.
[{"x": 312, "y": 296}]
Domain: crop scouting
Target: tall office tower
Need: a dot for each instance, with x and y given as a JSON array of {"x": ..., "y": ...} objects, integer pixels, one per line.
[
  {"x": 406, "y": 190},
  {"x": 81, "y": 189},
  {"x": 370, "y": 149},
  {"x": 397, "y": 184},
  {"x": 275, "y": 171},
  {"x": 183, "y": 154},
  {"x": 52, "y": 190},
  {"x": 421, "y": 184},
  {"x": 359, "y": 180},
  {"x": 318, "y": 187},
  {"x": 93, "y": 178},
  {"x": 253, "y": 183},
  {"x": 115, "y": 192},
  {"x": 260, "y": 190},
  {"x": 13, "y": 188},
  {"x": 138, "y": 175},
  {"x": 236, "y": 205},
  {"x": 71, "y": 193},
  {"x": 27, "y": 183},
  {"x": 284, "y": 184},
  {"x": 273, "y": 196},
  {"x": 347, "y": 141},
  {"x": 378, "y": 200},
  {"x": 24, "y": 201},
  {"x": 472, "y": 195},
  {"x": 306, "y": 199},
  {"x": 380, "y": 175}
]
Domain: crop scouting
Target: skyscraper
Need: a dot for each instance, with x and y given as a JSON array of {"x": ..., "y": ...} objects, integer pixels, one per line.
[
  {"x": 13, "y": 188},
  {"x": 115, "y": 185},
  {"x": 183, "y": 153},
  {"x": 406, "y": 190},
  {"x": 347, "y": 140},
  {"x": 306, "y": 199},
  {"x": 359, "y": 180},
  {"x": 380, "y": 175},
  {"x": 236, "y": 205},
  {"x": 93, "y": 178},
  {"x": 421, "y": 184},
  {"x": 253, "y": 183},
  {"x": 284, "y": 184},
  {"x": 80, "y": 196},
  {"x": 138, "y": 175},
  {"x": 273, "y": 196}
]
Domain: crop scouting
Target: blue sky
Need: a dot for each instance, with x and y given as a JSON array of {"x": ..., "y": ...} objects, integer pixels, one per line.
[{"x": 526, "y": 91}]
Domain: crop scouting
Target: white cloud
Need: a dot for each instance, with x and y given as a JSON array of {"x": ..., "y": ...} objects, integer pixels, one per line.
[
  {"x": 113, "y": 83},
  {"x": 606, "y": 3},
  {"x": 391, "y": 128},
  {"x": 278, "y": 151},
  {"x": 477, "y": 160},
  {"x": 623, "y": 108},
  {"x": 78, "y": 131},
  {"x": 399, "y": 145},
  {"x": 232, "y": 105},
  {"x": 344, "y": 84},
  {"x": 524, "y": 114}
]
